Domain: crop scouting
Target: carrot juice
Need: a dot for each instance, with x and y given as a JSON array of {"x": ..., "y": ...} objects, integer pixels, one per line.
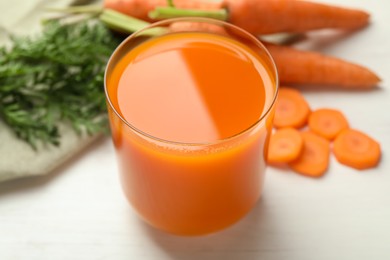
[{"x": 190, "y": 114}]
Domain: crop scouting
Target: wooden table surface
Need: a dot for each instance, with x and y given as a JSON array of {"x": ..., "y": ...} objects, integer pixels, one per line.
[{"x": 79, "y": 212}]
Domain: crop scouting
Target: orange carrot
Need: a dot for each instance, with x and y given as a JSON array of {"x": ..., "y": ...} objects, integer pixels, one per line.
[
  {"x": 356, "y": 149},
  {"x": 271, "y": 16},
  {"x": 291, "y": 109},
  {"x": 327, "y": 122},
  {"x": 314, "y": 159},
  {"x": 305, "y": 67},
  {"x": 285, "y": 146},
  {"x": 257, "y": 16}
]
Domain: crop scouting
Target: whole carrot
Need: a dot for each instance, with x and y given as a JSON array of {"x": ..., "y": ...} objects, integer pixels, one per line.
[
  {"x": 271, "y": 16},
  {"x": 255, "y": 16},
  {"x": 306, "y": 67}
]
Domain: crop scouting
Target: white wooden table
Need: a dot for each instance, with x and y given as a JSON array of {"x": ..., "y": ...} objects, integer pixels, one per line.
[{"x": 79, "y": 212}]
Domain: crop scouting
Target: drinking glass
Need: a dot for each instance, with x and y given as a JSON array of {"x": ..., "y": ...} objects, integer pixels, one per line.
[{"x": 192, "y": 188}]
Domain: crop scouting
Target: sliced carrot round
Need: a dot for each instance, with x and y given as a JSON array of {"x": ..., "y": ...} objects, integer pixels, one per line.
[
  {"x": 327, "y": 122},
  {"x": 314, "y": 159},
  {"x": 285, "y": 146},
  {"x": 356, "y": 149},
  {"x": 291, "y": 109}
]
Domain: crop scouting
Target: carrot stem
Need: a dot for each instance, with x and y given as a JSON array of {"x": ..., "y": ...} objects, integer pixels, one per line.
[
  {"x": 113, "y": 19},
  {"x": 82, "y": 9},
  {"x": 170, "y": 3},
  {"x": 121, "y": 21},
  {"x": 172, "y": 12},
  {"x": 127, "y": 23}
]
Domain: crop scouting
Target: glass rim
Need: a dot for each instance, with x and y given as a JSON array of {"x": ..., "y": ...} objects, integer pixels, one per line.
[{"x": 192, "y": 19}]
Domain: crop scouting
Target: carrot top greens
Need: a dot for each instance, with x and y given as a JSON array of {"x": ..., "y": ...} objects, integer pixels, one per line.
[{"x": 55, "y": 77}]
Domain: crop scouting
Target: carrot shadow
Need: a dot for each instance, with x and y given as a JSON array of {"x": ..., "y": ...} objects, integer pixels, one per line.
[
  {"x": 322, "y": 39},
  {"x": 335, "y": 89}
]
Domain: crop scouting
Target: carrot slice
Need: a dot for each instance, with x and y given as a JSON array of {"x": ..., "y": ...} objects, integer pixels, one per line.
[
  {"x": 356, "y": 149},
  {"x": 285, "y": 146},
  {"x": 327, "y": 122},
  {"x": 291, "y": 109},
  {"x": 314, "y": 159}
]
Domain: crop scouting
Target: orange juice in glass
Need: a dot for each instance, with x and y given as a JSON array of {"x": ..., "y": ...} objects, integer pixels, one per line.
[{"x": 190, "y": 104}]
